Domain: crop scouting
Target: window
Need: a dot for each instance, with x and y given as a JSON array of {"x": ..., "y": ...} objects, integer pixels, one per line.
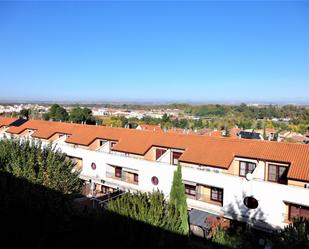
[
  {"x": 175, "y": 157},
  {"x": 190, "y": 190},
  {"x": 136, "y": 178},
  {"x": 216, "y": 194},
  {"x": 118, "y": 172},
  {"x": 102, "y": 142},
  {"x": 155, "y": 180},
  {"x": 298, "y": 211},
  {"x": 93, "y": 165},
  {"x": 277, "y": 173},
  {"x": 159, "y": 153},
  {"x": 113, "y": 144},
  {"x": 246, "y": 167}
]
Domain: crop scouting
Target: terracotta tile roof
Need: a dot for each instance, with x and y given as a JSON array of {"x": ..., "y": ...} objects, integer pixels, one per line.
[
  {"x": 198, "y": 149},
  {"x": 180, "y": 131},
  {"x": 4, "y": 121},
  {"x": 149, "y": 127},
  {"x": 234, "y": 132}
]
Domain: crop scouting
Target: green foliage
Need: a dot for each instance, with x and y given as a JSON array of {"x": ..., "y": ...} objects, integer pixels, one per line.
[
  {"x": 198, "y": 124},
  {"x": 150, "y": 208},
  {"x": 165, "y": 118},
  {"x": 56, "y": 113},
  {"x": 293, "y": 236},
  {"x": 146, "y": 207},
  {"x": 25, "y": 113},
  {"x": 222, "y": 237},
  {"x": 179, "y": 200},
  {"x": 82, "y": 115},
  {"x": 43, "y": 166},
  {"x": 264, "y": 133}
]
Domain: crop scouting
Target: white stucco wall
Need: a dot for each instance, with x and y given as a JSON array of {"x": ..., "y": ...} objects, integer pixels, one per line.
[{"x": 271, "y": 196}]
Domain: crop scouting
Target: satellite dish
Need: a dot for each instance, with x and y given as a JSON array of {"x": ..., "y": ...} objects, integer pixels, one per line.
[{"x": 249, "y": 176}]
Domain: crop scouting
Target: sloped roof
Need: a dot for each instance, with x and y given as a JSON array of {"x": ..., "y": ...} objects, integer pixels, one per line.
[
  {"x": 4, "y": 121},
  {"x": 150, "y": 127},
  {"x": 205, "y": 150}
]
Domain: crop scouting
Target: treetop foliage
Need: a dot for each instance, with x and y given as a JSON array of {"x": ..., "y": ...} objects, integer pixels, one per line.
[{"x": 39, "y": 164}]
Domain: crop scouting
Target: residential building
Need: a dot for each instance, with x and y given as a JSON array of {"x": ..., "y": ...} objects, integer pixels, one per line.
[{"x": 263, "y": 183}]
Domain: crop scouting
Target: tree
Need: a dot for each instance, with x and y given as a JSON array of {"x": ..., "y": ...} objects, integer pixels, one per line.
[
  {"x": 293, "y": 236},
  {"x": 179, "y": 200},
  {"x": 149, "y": 208},
  {"x": 44, "y": 166},
  {"x": 198, "y": 124},
  {"x": 264, "y": 133},
  {"x": 25, "y": 113},
  {"x": 259, "y": 125},
  {"x": 56, "y": 113},
  {"x": 226, "y": 131},
  {"x": 165, "y": 118},
  {"x": 82, "y": 115}
]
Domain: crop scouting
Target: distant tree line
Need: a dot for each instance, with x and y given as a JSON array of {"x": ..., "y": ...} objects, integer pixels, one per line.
[
  {"x": 221, "y": 117},
  {"x": 76, "y": 115}
]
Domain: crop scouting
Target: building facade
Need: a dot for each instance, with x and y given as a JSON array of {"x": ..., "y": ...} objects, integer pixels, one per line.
[{"x": 263, "y": 183}]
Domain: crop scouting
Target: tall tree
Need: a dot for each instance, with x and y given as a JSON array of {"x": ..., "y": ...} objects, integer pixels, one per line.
[{"x": 179, "y": 200}]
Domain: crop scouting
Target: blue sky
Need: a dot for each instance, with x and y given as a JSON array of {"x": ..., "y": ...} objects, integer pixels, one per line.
[{"x": 200, "y": 51}]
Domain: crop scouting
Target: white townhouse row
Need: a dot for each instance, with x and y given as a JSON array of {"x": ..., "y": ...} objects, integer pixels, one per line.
[{"x": 263, "y": 183}]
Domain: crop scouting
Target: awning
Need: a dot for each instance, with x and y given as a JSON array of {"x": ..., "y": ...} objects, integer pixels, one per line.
[
  {"x": 199, "y": 218},
  {"x": 189, "y": 183}
]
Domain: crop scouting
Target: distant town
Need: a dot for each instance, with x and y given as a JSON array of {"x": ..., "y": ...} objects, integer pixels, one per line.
[{"x": 287, "y": 123}]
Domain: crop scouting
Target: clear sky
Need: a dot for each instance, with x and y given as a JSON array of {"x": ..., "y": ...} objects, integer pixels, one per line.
[{"x": 155, "y": 51}]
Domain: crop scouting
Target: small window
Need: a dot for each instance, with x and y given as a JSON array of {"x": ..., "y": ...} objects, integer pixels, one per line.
[
  {"x": 118, "y": 171},
  {"x": 175, "y": 157},
  {"x": 136, "y": 178},
  {"x": 217, "y": 194},
  {"x": 113, "y": 144},
  {"x": 159, "y": 153},
  {"x": 246, "y": 167},
  {"x": 102, "y": 142},
  {"x": 155, "y": 180},
  {"x": 190, "y": 190}
]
